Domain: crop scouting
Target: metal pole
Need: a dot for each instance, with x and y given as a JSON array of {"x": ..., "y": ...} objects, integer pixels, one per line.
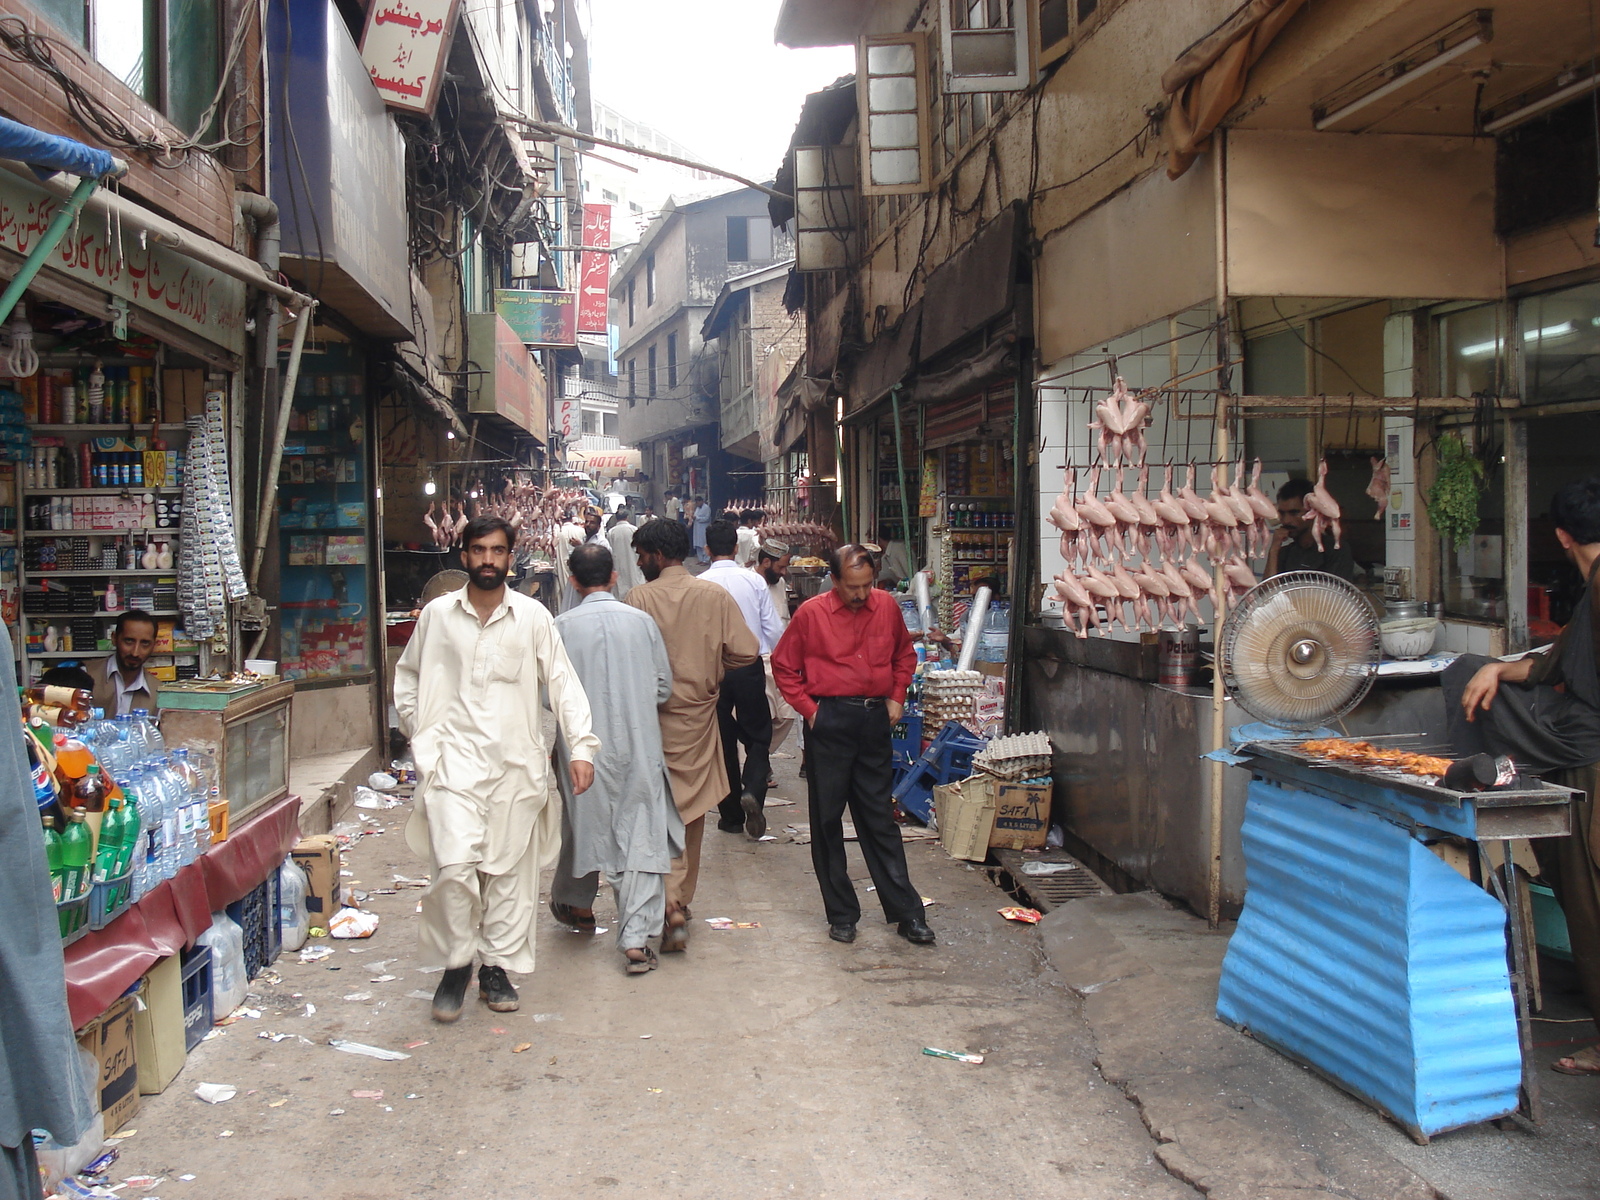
[
  {"x": 900, "y": 464},
  {"x": 64, "y": 218},
  {"x": 269, "y": 485},
  {"x": 1219, "y": 718}
]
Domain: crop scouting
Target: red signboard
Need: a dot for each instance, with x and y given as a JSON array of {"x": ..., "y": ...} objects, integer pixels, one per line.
[{"x": 594, "y": 271}]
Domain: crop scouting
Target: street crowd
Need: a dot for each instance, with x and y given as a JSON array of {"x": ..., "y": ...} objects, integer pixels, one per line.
[{"x": 657, "y": 679}]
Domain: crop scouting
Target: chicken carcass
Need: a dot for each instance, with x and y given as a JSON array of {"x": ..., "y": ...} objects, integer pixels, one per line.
[
  {"x": 1121, "y": 507},
  {"x": 1379, "y": 488},
  {"x": 1078, "y": 604},
  {"x": 1101, "y": 524},
  {"x": 1151, "y": 533},
  {"x": 1064, "y": 516},
  {"x": 1103, "y": 591},
  {"x": 1121, "y": 425},
  {"x": 1266, "y": 511},
  {"x": 1237, "y": 577},
  {"x": 1184, "y": 604},
  {"x": 1173, "y": 517},
  {"x": 1324, "y": 509}
]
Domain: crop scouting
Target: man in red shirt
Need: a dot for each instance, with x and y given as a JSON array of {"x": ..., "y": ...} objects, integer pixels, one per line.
[{"x": 843, "y": 664}]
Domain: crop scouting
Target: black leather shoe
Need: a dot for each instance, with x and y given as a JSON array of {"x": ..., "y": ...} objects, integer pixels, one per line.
[
  {"x": 916, "y": 930},
  {"x": 450, "y": 994},
  {"x": 495, "y": 990},
  {"x": 842, "y": 933},
  {"x": 730, "y": 826}
]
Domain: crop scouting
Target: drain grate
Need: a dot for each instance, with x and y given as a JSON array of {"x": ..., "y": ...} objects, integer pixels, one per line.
[{"x": 1046, "y": 892}]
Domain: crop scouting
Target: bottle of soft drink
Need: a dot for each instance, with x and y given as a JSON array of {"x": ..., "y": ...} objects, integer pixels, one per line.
[
  {"x": 64, "y": 707},
  {"x": 138, "y": 837},
  {"x": 111, "y": 854},
  {"x": 91, "y": 793},
  {"x": 44, "y": 781},
  {"x": 72, "y": 757},
  {"x": 52, "y": 855},
  {"x": 76, "y": 845}
]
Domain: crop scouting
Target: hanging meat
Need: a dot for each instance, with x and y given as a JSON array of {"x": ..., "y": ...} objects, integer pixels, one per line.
[
  {"x": 1379, "y": 488},
  {"x": 1324, "y": 509},
  {"x": 1123, "y": 417}
]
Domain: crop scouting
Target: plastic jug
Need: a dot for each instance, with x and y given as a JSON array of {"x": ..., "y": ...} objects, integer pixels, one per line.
[
  {"x": 294, "y": 918},
  {"x": 228, "y": 981}
]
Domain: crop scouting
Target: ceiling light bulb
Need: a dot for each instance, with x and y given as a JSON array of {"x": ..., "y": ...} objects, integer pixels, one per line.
[
  {"x": 429, "y": 488},
  {"x": 451, "y": 434}
]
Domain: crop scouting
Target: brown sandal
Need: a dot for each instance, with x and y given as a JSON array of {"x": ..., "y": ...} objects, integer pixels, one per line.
[
  {"x": 642, "y": 966},
  {"x": 1584, "y": 1062},
  {"x": 572, "y": 918},
  {"x": 675, "y": 937}
]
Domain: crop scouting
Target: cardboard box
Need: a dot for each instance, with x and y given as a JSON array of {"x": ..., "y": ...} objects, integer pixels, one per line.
[
  {"x": 1021, "y": 816},
  {"x": 158, "y": 1034},
  {"x": 346, "y": 551},
  {"x": 318, "y": 856},
  {"x": 966, "y": 816},
  {"x": 110, "y": 1039},
  {"x": 305, "y": 550}
]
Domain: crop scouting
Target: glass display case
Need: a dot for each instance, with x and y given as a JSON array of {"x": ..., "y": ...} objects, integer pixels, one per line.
[
  {"x": 244, "y": 726},
  {"x": 324, "y": 522}
]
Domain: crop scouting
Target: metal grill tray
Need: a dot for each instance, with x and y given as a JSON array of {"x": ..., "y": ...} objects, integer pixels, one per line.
[
  {"x": 1534, "y": 808},
  {"x": 1526, "y": 791}
]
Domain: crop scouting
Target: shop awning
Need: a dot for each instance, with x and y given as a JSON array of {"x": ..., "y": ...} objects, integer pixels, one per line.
[
  {"x": 1209, "y": 78},
  {"x": 46, "y": 153},
  {"x": 974, "y": 286}
]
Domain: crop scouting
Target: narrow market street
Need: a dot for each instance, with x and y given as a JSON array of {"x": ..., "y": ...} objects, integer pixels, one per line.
[
  {"x": 765, "y": 1061},
  {"x": 770, "y": 1061}
]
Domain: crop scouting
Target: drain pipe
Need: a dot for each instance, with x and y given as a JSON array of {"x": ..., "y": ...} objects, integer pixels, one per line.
[
  {"x": 263, "y": 212},
  {"x": 280, "y": 432}
]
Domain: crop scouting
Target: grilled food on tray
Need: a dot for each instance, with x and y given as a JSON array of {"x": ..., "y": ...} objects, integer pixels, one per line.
[{"x": 1365, "y": 754}]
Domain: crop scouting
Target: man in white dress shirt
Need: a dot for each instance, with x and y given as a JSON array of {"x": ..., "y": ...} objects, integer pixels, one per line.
[
  {"x": 486, "y": 817},
  {"x": 743, "y": 714}
]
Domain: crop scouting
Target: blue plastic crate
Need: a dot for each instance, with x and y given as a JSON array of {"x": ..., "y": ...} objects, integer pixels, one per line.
[
  {"x": 947, "y": 758},
  {"x": 110, "y": 899},
  {"x": 195, "y": 979},
  {"x": 256, "y": 914}
]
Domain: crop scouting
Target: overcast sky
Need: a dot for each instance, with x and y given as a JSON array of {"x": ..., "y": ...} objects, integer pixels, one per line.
[{"x": 706, "y": 72}]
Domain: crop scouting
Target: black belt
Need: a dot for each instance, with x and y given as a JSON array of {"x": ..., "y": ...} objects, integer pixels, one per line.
[{"x": 868, "y": 701}]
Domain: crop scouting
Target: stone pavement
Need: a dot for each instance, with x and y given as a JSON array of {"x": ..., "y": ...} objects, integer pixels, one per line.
[{"x": 1240, "y": 1122}]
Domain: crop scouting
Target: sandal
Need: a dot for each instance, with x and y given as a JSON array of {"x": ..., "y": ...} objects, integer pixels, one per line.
[
  {"x": 572, "y": 918},
  {"x": 1584, "y": 1062},
  {"x": 642, "y": 966},
  {"x": 675, "y": 937}
]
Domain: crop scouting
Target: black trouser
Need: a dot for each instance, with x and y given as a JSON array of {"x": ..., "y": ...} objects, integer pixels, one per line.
[
  {"x": 849, "y": 762},
  {"x": 746, "y": 720}
]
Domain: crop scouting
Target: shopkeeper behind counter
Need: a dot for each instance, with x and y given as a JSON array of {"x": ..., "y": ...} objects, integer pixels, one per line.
[
  {"x": 1293, "y": 548},
  {"x": 120, "y": 684}
]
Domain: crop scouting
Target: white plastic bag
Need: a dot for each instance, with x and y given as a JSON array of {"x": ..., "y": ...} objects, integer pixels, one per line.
[
  {"x": 294, "y": 919},
  {"x": 228, "y": 980}
]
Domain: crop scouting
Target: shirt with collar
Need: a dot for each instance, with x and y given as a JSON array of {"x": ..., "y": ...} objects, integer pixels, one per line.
[
  {"x": 750, "y": 592},
  {"x": 123, "y": 688},
  {"x": 830, "y": 649}
]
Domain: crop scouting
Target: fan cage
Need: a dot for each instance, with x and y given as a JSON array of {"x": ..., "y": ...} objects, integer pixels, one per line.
[{"x": 1330, "y": 612}]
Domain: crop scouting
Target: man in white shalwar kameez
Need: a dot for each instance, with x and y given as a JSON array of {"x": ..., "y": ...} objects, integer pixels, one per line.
[
  {"x": 620, "y": 539},
  {"x": 486, "y": 815},
  {"x": 626, "y": 825}
]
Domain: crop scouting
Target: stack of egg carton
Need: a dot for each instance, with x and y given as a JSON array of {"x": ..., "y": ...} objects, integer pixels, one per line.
[
  {"x": 1020, "y": 756},
  {"x": 949, "y": 696}
]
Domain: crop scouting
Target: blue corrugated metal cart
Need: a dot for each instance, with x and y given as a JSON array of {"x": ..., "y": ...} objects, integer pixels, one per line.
[{"x": 1365, "y": 955}]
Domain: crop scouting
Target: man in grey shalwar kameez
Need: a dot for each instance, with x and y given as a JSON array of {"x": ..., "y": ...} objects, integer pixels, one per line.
[{"x": 626, "y": 824}]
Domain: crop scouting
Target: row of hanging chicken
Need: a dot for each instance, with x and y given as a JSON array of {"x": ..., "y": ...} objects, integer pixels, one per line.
[{"x": 1155, "y": 555}]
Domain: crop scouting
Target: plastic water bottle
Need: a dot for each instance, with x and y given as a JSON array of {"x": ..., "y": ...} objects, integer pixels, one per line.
[
  {"x": 195, "y": 795},
  {"x": 127, "y": 746},
  {"x": 155, "y": 744},
  {"x": 138, "y": 803}
]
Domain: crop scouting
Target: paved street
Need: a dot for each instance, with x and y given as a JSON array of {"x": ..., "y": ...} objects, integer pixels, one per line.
[
  {"x": 771, "y": 1061},
  {"x": 766, "y": 1061}
]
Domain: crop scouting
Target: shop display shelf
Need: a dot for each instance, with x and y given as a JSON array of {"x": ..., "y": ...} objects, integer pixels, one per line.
[
  {"x": 104, "y": 430},
  {"x": 170, "y": 572},
  {"x": 62, "y": 616},
  {"x": 120, "y": 490},
  {"x": 109, "y": 899},
  {"x": 195, "y": 980},
  {"x": 49, "y": 533}
]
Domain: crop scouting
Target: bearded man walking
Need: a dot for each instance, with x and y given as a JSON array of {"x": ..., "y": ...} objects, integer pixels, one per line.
[{"x": 486, "y": 816}]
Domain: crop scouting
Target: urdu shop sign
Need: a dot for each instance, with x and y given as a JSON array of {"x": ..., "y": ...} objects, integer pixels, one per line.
[
  {"x": 190, "y": 295},
  {"x": 540, "y": 318},
  {"x": 510, "y": 384}
]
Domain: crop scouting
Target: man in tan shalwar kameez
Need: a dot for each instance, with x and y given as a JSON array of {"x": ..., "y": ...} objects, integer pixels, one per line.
[{"x": 706, "y": 635}]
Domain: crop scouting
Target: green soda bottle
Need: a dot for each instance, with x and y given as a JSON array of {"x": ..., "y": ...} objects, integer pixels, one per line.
[
  {"x": 75, "y": 847},
  {"x": 52, "y": 855},
  {"x": 109, "y": 853}
]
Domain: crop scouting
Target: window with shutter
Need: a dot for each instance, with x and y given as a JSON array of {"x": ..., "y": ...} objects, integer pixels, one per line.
[
  {"x": 892, "y": 88},
  {"x": 984, "y": 45}
]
